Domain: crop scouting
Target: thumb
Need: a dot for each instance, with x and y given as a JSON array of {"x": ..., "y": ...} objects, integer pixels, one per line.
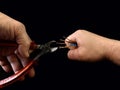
[
  {"x": 73, "y": 54},
  {"x": 23, "y": 50},
  {"x": 23, "y": 41}
]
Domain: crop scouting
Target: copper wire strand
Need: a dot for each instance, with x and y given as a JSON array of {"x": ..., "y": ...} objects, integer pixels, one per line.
[
  {"x": 71, "y": 42},
  {"x": 62, "y": 42},
  {"x": 61, "y": 45},
  {"x": 68, "y": 40}
]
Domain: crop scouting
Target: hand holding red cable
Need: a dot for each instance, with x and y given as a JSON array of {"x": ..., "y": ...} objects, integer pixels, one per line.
[
  {"x": 37, "y": 51},
  {"x": 5, "y": 45}
]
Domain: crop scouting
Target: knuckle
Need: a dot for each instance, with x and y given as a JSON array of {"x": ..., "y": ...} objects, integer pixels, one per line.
[
  {"x": 3, "y": 63},
  {"x": 80, "y": 31},
  {"x": 19, "y": 26},
  {"x": 27, "y": 44}
]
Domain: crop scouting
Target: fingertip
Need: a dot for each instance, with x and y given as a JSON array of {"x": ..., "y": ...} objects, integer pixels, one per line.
[
  {"x": 7, "y": 68},
  {"x": 23, "y": 51},
  {"x": 71, "y": 54},
  {"x": 22, "y": 78},
  {"x": 26, "y": 54},
  {"x": 31, "y": 73}
]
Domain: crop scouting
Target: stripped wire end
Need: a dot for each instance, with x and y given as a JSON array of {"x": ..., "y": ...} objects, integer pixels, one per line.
[{"x": 61, "y": 44}]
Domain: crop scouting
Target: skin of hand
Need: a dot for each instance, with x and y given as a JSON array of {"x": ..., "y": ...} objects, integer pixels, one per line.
[
  {"x": 93, "y": 47},
  {"x": 11, "y": 29}
]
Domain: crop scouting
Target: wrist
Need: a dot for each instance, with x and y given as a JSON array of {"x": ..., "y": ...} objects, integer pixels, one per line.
[{"x": 113, "y": 51}]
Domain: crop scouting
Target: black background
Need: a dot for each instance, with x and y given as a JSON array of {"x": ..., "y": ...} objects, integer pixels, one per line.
[{"x": 48, "y": 20}]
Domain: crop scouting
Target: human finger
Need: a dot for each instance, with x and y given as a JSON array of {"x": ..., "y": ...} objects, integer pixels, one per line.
[
  {"x": 5, "y": 64},
  {"x": 74, "y": 54},
  {"x": 23, "y": 40},
  {"x": 14, "y": 62},
  {"x": 24, "y": 62}
]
